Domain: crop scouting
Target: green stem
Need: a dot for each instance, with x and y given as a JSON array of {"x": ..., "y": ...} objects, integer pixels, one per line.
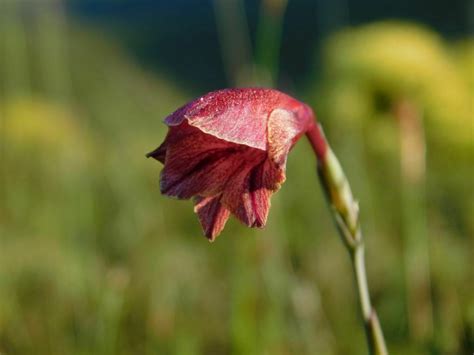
[
  {"x": 358, "y": 262},
  {"x": 345, "y": 211},
  {"x": 373, "y": 329},
  {"x": 355, "y": 247}
]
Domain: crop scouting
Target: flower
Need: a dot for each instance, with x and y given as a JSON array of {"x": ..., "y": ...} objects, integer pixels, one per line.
[{"x": 228, "y": 151}]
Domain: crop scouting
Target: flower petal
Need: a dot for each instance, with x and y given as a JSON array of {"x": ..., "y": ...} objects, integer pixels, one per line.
[
  {"x": 212, "y": 215},
  {"x": 199, "y": 164},
  {"x": 159, "y": 153},
  {"x": 248, "y": 192},
  {"x": 284, "y": 128},
  {"x": 176, "y": 134},
  {"x": 206, "y": 176},
  {"x": 235, "y": 115}
]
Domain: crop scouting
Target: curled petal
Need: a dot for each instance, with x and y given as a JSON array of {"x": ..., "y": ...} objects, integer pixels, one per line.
[
  {"x": 233, "y": 196},
  {"x": 249, "y": 191},
  {"x": 212, "y": 215},
  {"x": 258, "y": 195},
  {"x": 284, "y": 128}
]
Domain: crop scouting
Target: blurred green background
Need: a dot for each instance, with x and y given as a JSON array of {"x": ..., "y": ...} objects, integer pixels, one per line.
[{"x": 93, "y": 260}]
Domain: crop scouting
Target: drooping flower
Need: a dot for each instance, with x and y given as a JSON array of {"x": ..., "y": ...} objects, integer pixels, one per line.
[{"x": 228, "y": 151}]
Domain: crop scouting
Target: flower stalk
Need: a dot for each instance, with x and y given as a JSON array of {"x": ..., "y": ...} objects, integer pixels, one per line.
[
  {"x": 345, "y": 211},
  {"x": 228, "y": 150}
]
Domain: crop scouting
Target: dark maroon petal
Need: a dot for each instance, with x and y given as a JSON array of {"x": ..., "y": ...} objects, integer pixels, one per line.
[
  {"x": 258, "y": 195},
  {"x": 200, "y": 164},
  {"x": 212, "y": 215},
  {"x": 247, "y": 195},
  {"x": 233, "y": 196},
  {"x": 176, "y": 135},
  {"x": 205, "y": 178},
  {"x": 159, "y": 153}
]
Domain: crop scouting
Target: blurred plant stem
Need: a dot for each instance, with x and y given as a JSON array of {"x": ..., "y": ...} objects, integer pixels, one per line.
[
  {"x": 234, "y": 40},
  {"x": 345, "y": 211},
  {"x": 14, "y": 50},
  {"x": 243, "y": 300},
  {"x": 413, "y": 200},
  {"x": 241, "y": 67},
  {"x": 273, "y": 260},
  {"x": 331, "y": 16},
  {"x": 15, "y": 74},
  {"x": 268, "y": 41},
  {"x": 51, "y": 29},
  {"x": 273, "y": 244}
]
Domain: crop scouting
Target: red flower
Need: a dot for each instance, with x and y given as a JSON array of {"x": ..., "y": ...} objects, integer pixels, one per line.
[{"x": 228, "y": 150}]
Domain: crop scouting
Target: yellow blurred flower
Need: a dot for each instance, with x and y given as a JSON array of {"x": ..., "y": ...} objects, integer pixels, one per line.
[
  {"x": 35, "y": 126},
  {"x": 400, "y": 61},
  {"x": 463, "y": 52}
]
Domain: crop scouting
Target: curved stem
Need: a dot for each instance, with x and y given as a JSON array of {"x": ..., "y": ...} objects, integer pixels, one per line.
[
  {"x": 345, "y": 211},
  {"x": 358, "y": 262},
  {"x": 373, "y": 329}
]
